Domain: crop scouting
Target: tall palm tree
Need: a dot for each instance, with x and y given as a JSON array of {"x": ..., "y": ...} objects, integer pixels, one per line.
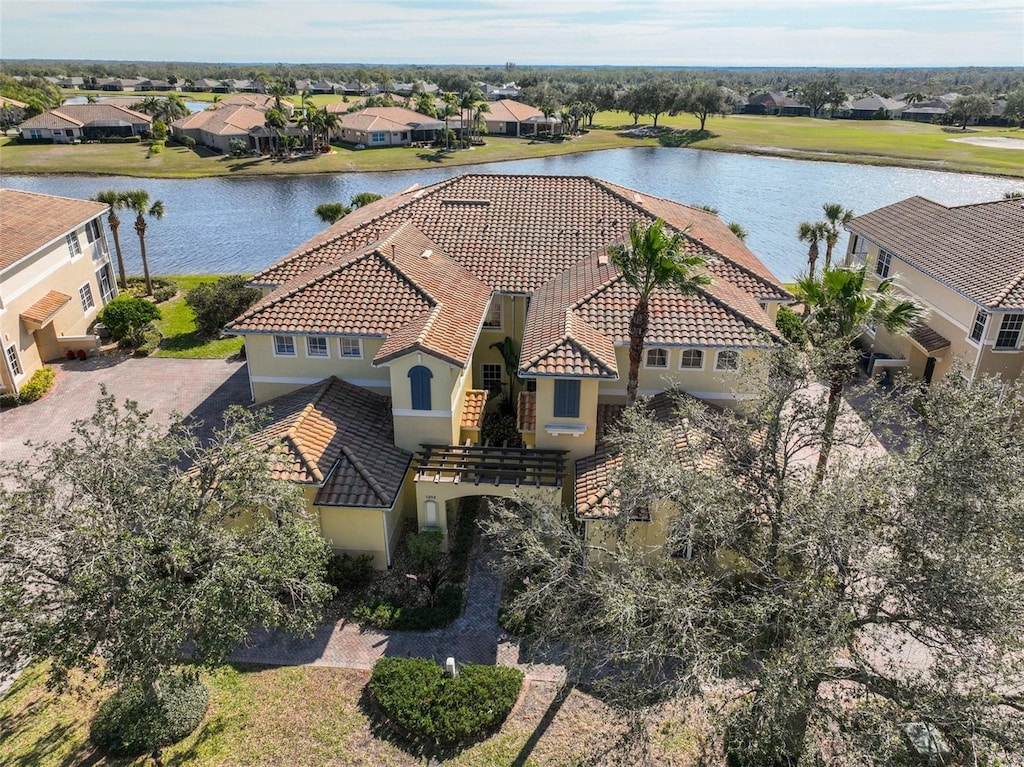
[
  {"x": 329, "y": 122},
  {"x": 449, "y": 109},
  {"x": 841, "y": 305},
  {"x": 137, "y": 201},
  {"x": 835, "y": 217},
  {"x": 275, "y": 121},
  {"x": 811, "y": 232},
  {"x": 115, "y": 202},
  {"x": 278, "y": 90},
  {"x": 479, "y": 121},
  {"x": 653, "y": 259}
]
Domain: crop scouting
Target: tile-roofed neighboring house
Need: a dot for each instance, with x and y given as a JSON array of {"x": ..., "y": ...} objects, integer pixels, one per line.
[
  {"x": 965, "y": 263},
  {"x": 74, "y": 122},
  {"x": 514, "y": 118},
  {"x": 216, "y": 128},
  {"x": 258, "y": 101},
  {"x": 387, "y": 126},
  {"x": 869, "y": 107},
  {"x": 336, "y": 437},
  {"x": 55, "y": 275}
]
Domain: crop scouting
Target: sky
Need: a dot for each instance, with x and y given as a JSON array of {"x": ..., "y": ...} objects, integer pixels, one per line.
[{"x": 782, "y": 33}]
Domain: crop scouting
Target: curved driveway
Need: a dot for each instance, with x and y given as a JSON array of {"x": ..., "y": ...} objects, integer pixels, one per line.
[{"x": 198, "y": 388}]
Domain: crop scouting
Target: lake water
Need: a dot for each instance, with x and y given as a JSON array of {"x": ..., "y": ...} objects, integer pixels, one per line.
[
  {"x": 241, "y": 225},
  {"x": 193, "y": 106}
]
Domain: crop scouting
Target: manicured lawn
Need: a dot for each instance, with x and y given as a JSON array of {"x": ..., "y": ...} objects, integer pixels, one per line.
[
  {"x": 178, "y": 327},
  {"x": 279, "y": 717}
]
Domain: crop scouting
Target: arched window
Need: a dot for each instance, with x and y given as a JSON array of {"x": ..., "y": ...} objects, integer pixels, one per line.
[{"x": 419, "y": 382}]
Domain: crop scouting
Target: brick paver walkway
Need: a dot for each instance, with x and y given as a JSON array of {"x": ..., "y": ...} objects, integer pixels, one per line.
[{"x": 198, "y": 388}]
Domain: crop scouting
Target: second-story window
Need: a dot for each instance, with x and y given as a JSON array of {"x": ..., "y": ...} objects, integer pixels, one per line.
[
  {"x": 691, "y": 359},
  {"x": 85, "y": 295},
  {"x": 1009, "y": 331},
  {"x": 284, "y": 346},
  {"x": 73, "y": 245},
  {"x": 316, "y": 346},
  {"x": 978, "y": 329},
  {"x": 491, "y": 377},
  {"x": 860, "y": 245},
  {"x": 884, "y": 263},
  {"x": 657, "y": 358},
  {"x": 493, "y": 319},
  {"x": 351, "y": 348},
  {"x": 729, "y": 359},
  {"x": 92, "y": 231},
  {"x": 419, "y": 384},
  {"x": 567, "y": 399}
]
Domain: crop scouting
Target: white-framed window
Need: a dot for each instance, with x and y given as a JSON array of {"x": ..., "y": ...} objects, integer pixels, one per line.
[
  {"x": 352, "y": 348},
  {"x": 85, "y": 295},
  {"x": 378, "y": 138},
  {"x": 73, "y": 245},
  {"x": 92, "y": 231},
  {"x": 35, "y": 133},
  {"x": 860, "y": 245},
  {"x": 978, "y": 329},
  {"x": 493, "y": 318},
  {"x": 656, "y": 358},
  {"x": 691, "y": 359},
  {"x": 13, "y": 361},
  {"x": 316, "y": 346},
  {"x": 1009, "y": 331},
  {"x": 106, "y": 282},
  {"x": 491, "y": 379},
  {"x": 728, "y": 359},
  {"x": 884, "y": 263},
  {"x": 284, "y": 346}
]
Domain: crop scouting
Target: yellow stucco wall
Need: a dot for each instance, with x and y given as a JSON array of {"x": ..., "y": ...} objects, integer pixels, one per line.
[
  {"x": 272, "y": 375},
  {"x": 440, "y": 424},
  {"x": 27, "y": 281},
  {"x": 578, "y": 445},
  {"x": 648, "y": 536}
]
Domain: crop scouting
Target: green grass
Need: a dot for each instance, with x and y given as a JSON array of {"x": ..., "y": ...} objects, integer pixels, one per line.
[{"x": 178, "y": 326}]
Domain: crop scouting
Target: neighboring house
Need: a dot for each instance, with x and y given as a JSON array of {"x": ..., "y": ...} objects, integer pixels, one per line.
[
  {"x": 119, "y": 84},
  {"x": 322, "y": 87},
  {"x": 775, "y": 103},
  {"x": 86, "y": 122},
  {"x": 55, "y": 275},
  {"x": 204, "y": 85},
  {"x": 513, "y": 118},
  {"x": 876, "y": 108},
  {"x": 12, "y": 112},
  {"x": 258, "y": 101},
  {"x": 216, "y": 127},
  {"x": 496, "y": 92},
  {"x": 966, "y": 265},
  {"x": 387, "y": 126},
  {"x": 405, "y": 299},
  {"x": 931, "y": 111},
  {"x": 155, "y": 85}
]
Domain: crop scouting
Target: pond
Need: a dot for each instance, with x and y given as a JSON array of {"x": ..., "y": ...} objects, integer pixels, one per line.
[
  {"x": 232, "y": 225},
  {"x": 193, "y": 106}
]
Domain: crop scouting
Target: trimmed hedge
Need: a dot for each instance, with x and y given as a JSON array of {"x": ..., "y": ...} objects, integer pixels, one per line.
[
  {"x": 120, "y": 140},
  {"x": 40, "y": 383},
  {"x": 127, "y": 724},
  {"x": 9, "y": 399},
  {"x": 419, "y": 697}
]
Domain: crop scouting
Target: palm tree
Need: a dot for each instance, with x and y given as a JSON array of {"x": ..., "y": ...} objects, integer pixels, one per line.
[
  {"x": 363, "y": 198},
  {"x": 115, "y": 202},
  {"x": 278, "y": 90},
  {"x": 811, "y": 232},
  {"x": 137, "y": 201},
  {"x": 330, "y": 212},
  {"x": 652, "y": 260},
  {"x": 329, "y": 122},
  {"x": 841, "y": 306},
  {"x": 835, "y": 216},
  {"x": 276, "y": 121},
  {"x": 479, "y": 121},
  {"x": 737, "y": 228},
  {"x": 448, "y": 110},
  {"x": 425, "y": 105}
]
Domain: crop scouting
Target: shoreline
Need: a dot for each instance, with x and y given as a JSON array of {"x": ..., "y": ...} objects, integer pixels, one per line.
[{"x": 802, "y": 155}]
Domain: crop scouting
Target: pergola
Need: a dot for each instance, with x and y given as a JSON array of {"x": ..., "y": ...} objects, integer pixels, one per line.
[{"x": 493, "y": 466}]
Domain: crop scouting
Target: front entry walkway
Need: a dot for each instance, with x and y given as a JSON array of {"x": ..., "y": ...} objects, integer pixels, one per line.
[{"x": 474, "y": 637}]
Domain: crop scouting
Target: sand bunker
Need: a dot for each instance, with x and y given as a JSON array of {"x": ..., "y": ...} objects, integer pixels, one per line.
[{"x": 995, "y": 142}]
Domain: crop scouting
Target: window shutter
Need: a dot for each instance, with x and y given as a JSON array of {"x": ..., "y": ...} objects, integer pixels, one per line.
[
  {"x": 567, "y": 399},
  {"x": 419, "y": 381}
]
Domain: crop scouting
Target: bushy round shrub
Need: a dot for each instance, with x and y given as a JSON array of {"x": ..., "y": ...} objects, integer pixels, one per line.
[
  {"x": 127, "y": 724},
  {"x": 216, "y": 304},
  {"x": 420, "y": 698},
  {"x": 791, "y": 326},
  {"x": 127, "y": 317},
  {"x": 40, "y": 383}
]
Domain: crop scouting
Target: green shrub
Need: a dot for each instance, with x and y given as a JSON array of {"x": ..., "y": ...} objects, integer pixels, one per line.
[
  {"x": 216, "y": 304},
  {"x": 40, "y": 383},
  {"x": 120, "y": 139},
  {"x": 165, "y": 293},
  {"x": 127, "y": 724},
  {"x": 156, "y": 148},
  {"x": 151, "y": 338},
  {"x": 189, "y": 142},
  {"x": 500, "y": 428},
  {"x": 347, "y": 573},
  {"x": 791, "y": 326},
  {"x": 159, "y": 130},
  {"x": 420, "y": 698},
  {"x": 387, "y": 615},
  {"x": 127, "y": 316},
  {"x": 9, "y": 399}
]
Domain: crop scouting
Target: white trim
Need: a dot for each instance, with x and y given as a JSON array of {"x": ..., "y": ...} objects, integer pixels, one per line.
[
  {"x": 327, "y": 348},
  {"x": 341, "y": 352},
  {"x": 718, "y": 356},
  {"x": 562, "y": 429},
  {"x": 295, "y": 346},
  {"x": 408, "y": 411},
  {"x": 691, "y": 368},
  {"x": 364, "y": 383},
  {"x": 668, "y": 358},
  {"x": 697, "y": 394}
]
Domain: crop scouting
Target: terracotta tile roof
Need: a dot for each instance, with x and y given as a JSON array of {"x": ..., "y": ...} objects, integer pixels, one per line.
[
  {"x": 232, "y": 120},
  {"x": 595, "y": 493},
  {"x": 928, "y": 338},
  {"x": 511, "y": 111},
  {"x": 339, "y": 437},
  {"x": 526, "y": 413},
  {"x": 29, "y": 220},
  {"x": 78, "y": 115},
  {"x": 43, "y": 310},
  {"x": 259, "y": 101},
  {"x": 977, "y": 250},
  {"x": 473, "y": 410},
  {"x": 386, "y": 118},
  {"x": 400, "y": 287}
]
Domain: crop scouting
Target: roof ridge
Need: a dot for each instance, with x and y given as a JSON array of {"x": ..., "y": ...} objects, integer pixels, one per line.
[
  {"x": 375, "y": 486},
  {"x": 602, "y": 287},
  {"x": 292, "y": 435},
  {"x": 774, "y": 332},
  {"x": 1006, "y": 291},
  {"x": 67, "y": 117}
]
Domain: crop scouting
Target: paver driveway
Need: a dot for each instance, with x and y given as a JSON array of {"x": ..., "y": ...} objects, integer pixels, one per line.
[{"x": 198, "y": 388}]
